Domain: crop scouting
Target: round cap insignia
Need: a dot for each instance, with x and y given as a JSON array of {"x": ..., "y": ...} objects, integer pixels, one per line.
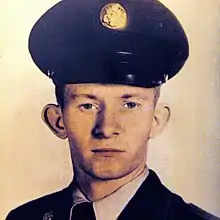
[{"x": 113, "y": 16}]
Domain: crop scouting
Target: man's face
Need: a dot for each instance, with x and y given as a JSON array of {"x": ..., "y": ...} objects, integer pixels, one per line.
[{"x": 108, "y": 127}]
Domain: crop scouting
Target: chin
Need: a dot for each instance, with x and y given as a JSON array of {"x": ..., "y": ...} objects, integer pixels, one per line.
[
  {"x": 112, "y": 171},
  {"x": 109, "y": 175}
]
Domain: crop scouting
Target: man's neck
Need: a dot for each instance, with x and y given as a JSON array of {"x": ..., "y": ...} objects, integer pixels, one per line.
[{"x": 95, "y": 189}]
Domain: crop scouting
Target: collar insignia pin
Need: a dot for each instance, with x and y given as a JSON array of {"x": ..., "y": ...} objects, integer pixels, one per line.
[{"x": 48, "y": 216}]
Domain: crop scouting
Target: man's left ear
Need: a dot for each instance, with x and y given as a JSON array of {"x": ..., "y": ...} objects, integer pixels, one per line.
[{"x": 161, "y": 117}]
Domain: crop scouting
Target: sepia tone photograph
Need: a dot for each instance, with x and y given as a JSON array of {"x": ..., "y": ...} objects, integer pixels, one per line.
[{"x": 110, "y": 110}]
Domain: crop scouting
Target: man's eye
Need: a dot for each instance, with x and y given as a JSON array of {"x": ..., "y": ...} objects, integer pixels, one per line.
[
  {"x": 87, "y": 106},
  {"x": 131, "y": 105}
]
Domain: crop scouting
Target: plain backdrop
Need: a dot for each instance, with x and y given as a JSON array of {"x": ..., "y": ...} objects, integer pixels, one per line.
[{"x": 33, "y": 162}]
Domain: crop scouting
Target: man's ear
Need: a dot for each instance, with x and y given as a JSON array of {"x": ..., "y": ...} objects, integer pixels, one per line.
[
  {"x": 161, "y": 117},
  {"x": 52, "y": 117}
]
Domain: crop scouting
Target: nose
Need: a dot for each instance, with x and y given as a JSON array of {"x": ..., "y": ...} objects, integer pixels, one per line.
[{"x": 107, "y": 125}]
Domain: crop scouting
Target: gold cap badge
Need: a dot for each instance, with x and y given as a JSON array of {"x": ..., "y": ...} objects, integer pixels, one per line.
[{"x": 113, "y": 16}]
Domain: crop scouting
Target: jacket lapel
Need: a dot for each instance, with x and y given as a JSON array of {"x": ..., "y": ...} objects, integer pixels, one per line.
[
  {"x": 60, "y": 205},
  {"x": 151, "y": 201}
]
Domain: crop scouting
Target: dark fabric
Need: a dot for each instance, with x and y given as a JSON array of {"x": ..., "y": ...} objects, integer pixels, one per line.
[
  {"x": 152, "y": 201},
  {"x": 83, "y": 211},
  {"x": 57, "y": 204}
]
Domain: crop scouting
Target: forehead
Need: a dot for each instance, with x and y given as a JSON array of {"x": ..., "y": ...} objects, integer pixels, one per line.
[{"x": 108, "y": 90}]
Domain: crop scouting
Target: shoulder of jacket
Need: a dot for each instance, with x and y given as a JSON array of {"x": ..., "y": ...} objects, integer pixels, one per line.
[
  {"x": 201, "y": 213},
  {"x": 32, "y": 209},
  {"x": 189, "y": 211}
]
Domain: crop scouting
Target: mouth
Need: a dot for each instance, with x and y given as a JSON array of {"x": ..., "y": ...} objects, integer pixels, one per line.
[{"x": 107, "y": 152}]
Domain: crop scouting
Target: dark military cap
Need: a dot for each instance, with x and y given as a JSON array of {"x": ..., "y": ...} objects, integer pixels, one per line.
[{"x": 133, "y": 42}]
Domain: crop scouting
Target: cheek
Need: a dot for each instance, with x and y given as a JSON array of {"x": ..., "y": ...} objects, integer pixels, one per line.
[
  {"x": 78, "y": 126},
  {"x": 79, "y": 134},
  {"x": 77, "y": 121},
  {"x": 137, "y": 130},
  {"x": 139, "y": 123}
]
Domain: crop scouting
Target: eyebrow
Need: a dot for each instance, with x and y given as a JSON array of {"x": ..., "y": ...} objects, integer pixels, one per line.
[
  {"x": 128, "y": 96},
  {"x": 74, "y": 96},
  {"x": 124, "y": 96}
]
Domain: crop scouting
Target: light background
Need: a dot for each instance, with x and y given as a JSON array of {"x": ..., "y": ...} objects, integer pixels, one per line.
[{"x": 186, "y": 156}]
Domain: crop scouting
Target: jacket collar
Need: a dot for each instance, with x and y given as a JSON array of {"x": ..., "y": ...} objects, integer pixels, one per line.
[{"x": 151, "y": 200}]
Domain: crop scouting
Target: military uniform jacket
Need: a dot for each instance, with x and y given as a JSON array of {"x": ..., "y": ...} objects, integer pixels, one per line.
[{"x": 152, "y": 201}]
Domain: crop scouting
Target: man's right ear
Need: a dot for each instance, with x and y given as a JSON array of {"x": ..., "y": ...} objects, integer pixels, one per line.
[{"x": 52, "y": 117}]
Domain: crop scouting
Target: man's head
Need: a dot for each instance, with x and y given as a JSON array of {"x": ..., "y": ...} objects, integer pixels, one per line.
[
  {"x": 108, "y": 126},
  {"x": 107, "y": 61}
]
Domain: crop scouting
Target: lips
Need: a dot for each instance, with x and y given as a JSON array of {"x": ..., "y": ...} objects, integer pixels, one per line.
[
  {"x": 107, "y": 152},
  {"x": 101, "y": 150}
]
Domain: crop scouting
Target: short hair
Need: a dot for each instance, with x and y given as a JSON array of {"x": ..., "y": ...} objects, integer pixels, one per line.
[
  {"x": 59, "y": 92},
  {"x": 157, "y": 94}
]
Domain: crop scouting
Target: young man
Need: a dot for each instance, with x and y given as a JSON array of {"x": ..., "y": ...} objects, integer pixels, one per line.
[{"x": 108, "y": 61}]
